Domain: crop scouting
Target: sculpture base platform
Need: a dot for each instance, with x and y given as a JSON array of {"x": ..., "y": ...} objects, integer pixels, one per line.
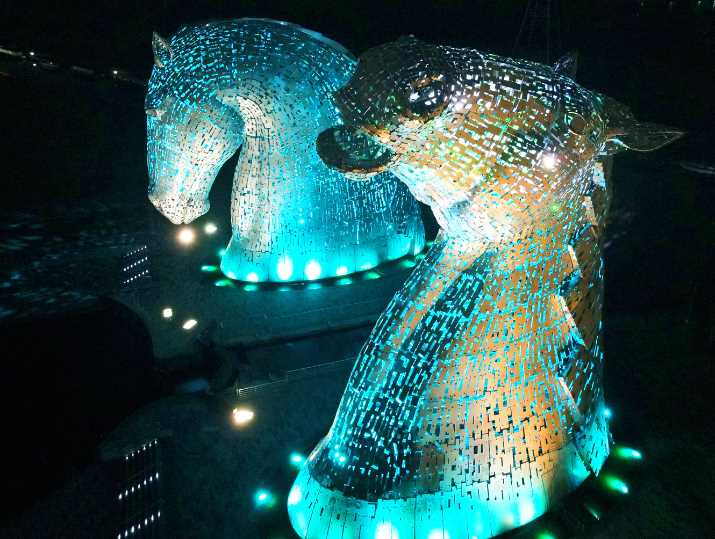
[{"x": 180, "y": 293}]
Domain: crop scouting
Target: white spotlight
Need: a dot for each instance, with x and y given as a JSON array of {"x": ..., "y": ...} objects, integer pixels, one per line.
[
  {"x": 242, "y": 416},
  {"x": 186, "y": 236},
  {"x": 189, "y": 324},
  {"x": 285, "y": 268},
  {"x": 312, "y": 270}
]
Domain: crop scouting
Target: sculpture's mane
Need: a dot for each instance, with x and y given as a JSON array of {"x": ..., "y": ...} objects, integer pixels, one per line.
[
  {"x": 236, "y": 23},
  {"x": 205, "y": 54}
]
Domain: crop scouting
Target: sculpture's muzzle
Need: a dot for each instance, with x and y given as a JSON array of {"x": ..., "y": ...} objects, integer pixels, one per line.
[{"x": 180, "y": 208}]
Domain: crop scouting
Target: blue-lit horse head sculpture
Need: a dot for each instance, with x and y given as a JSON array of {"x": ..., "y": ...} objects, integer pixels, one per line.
[{"x": 267, "y": 87}]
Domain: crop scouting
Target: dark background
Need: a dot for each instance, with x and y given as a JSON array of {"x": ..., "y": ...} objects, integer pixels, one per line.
[{"x": 70, "y": 140}]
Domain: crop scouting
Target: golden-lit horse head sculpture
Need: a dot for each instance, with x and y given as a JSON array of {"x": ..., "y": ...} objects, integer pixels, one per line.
[{"x": 477, "y": 402}]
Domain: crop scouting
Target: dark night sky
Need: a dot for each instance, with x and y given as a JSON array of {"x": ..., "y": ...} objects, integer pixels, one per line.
[
  {"x": 117, "y": 32},
  {"x": 678, "y": 40}
]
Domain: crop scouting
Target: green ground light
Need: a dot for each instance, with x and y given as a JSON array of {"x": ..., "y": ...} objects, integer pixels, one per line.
[
  {"x": 297, "y": 460},
  {"x": 627, "y": 453},
  {"x": 614, "y": 483},
  {"x": 264, "y": 499},
  {"x": 593, "y": 512}
]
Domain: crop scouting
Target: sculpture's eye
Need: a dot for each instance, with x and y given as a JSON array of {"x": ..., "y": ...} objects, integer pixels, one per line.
[
  {"x": 428, "y": 97},
  {"x": 156, "y": 113},
  {"x": 157, "y": 103},
  {"x": 576, "y": 124}
]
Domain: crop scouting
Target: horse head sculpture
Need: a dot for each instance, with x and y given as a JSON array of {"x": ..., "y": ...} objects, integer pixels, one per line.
[
  {"x": 267, "y": 87},
  {"x": 477, "y": 401}
]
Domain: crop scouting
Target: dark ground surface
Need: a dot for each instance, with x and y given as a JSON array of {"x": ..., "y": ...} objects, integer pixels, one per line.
[
  {"x": 211, "y": 470},
  {"x": 82, "y": 382}
]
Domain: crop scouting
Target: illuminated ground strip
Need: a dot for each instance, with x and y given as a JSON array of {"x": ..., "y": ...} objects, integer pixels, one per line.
[
  {"x": 477, "y": 402},
  {"x": 267, "y": 87},
  {"x": 133, "y": 498}
]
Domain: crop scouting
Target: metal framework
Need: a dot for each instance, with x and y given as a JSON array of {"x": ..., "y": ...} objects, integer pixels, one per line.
[
  {"x": 477, "y": 401},
  {"x": 266, "y": 86}
]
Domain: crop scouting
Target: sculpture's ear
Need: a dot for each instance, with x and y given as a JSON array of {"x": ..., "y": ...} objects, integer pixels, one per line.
[
  {"x": 624, "y": 132},
  {"x": 162, "y": 50},
  {"x": 567, "y": 64},
  {"x": 641, "y": 137}
]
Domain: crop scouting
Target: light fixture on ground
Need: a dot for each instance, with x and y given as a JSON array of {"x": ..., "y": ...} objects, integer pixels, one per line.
[
  {"x": 628, "y": 453},
  {"x": 167, "y": 312},
  {"x": 312, "y": 270},
  {"x": 242, "y": 416},
  {"x": 210, "y": 228},
  {"x": 297, "y": 460},
  {"x": 616, "y": 484},
  {"x": 264, "y": 498},
  {"x": 592, "y": 511},
  {"x": 285, "y": 268},
  {"x": 189, "y": 324},
  {"x": 186, "y": 236}
]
